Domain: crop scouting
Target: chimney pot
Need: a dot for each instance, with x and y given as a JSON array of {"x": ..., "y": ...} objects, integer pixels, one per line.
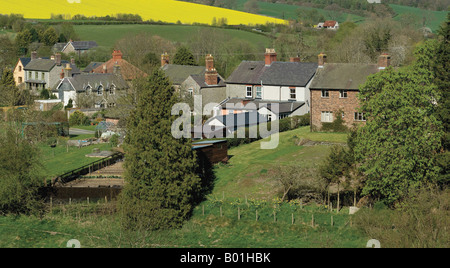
[
  {"x": 164, "y": 59},
  {"x": 270, "y": 56},
  {"x": 117, "y": 55},
  {"x": 67, "y": 71},
  {"x": 294, "y": 59},
  {"x": 33, "y": 55},
  {"x": 322, "y": 59},
  {"x": 384, "y": 61},
  {"x": 211, "y": 74},
  {"x": 58, "y": 59}
]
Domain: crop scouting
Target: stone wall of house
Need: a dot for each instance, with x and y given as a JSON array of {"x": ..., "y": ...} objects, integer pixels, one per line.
[{"x": 334, "y": 103}]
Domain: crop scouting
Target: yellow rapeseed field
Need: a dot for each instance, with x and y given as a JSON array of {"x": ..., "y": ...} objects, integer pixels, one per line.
[{"x": 164, "y": 10}]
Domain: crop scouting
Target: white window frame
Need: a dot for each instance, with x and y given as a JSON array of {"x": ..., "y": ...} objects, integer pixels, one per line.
[
  {"x": 343, "y": 94},
  {"x": 326, "y": 117},
  {"x": 293, "y": 95},
  {"x": 360, "y": 117},
  {"x": 258, "y": 92},
  {"x": 247, "y": 90},
  {"x": 325, "y": 93}
]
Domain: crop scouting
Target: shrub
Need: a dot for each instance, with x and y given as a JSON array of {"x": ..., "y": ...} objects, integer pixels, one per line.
[{"x": 78, "y": 119}]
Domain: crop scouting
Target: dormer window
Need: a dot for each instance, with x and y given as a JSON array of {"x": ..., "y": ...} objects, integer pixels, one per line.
[
  {"x": 112, "y": 90},
  {"x": 100, "y": 90},
  {"x": 88, "y": 90}
]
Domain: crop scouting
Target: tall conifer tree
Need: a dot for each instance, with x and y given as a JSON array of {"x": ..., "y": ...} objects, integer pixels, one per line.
[{"x": 161, "y": 183}]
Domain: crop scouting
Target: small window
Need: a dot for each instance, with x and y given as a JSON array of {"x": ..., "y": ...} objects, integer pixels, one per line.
[
  {"x": 191, "y": 91},
  {"x": 258, "y": 92},
  {"x": 327, "y": 117},
  {"x": 343, "y": 94},
  {"x": 360, "y": 117},
  {"x": 100, "y": 90},
  {"x": 248, "y": 92},
  {"x": 42, "y": 76},
  {"x": 88, "y": 90},
  {"x": 325, "y": 93},
  {"x": 112, "y": 90},
  {"x": 293, "y": 94}
]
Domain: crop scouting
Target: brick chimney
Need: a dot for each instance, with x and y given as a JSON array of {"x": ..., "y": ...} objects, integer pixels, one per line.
[
  {"x": 270, "y": 56},
  {"x": 68, "y": 71},
  {"x": 164, "y": 59},
  {"x": 58, "y": 59},
  {"x": 117, "y": 55},
  {"x": 322, "y": 60},
  {"x": 384, "y": 61},
  {"x": 294, "y": 59},
  {"x": 211, "y": 74},
  {"x": 33, "y": 55}
]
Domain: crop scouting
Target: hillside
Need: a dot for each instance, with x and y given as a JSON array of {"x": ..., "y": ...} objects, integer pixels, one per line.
[
  {"x": 157, "y": 10},
  {"x": 107, "y": 36}
]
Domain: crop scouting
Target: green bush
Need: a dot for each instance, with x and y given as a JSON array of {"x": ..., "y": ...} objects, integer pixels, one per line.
[{"x": 79, "y": 119}]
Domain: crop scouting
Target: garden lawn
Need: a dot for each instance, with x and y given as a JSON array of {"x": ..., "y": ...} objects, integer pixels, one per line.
[
  {"x": 251, "y": 171},
  {"x": 57, "y": 161}
]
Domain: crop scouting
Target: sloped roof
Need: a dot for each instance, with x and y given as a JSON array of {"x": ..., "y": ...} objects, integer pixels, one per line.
[
  {"x": 128, "y": 70},
  {"x": 178, "y": 73},
  {"x": 200, "y": 80},
  {"x": 329, "y": 23},
  {"x": 278, "y": 73},
  {"x": 25, "y": 61},
  {"x": 83, "y": 45},
  {"x": 46, "y": 65},
  {"x": 92, "y": 66},
  {"x": 239, "y": 119},
  {"x": 40, "y": 65},
  {"x": 80, "y": 82},
  {"x": 342, "y": 76}
]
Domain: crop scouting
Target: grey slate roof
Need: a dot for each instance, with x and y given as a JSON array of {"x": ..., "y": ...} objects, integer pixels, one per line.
[
  {"x": 200, "y": 80},
  {"x": 79, "y": 83},
  {"x": 84, "y": 45},
  {"x": 25, "y": 61},
  {"x": 278, "y": 73},
  {"x": 347, "y": 76},
  {"x": 240, "y": 119},
  {"x": 178, "y": 73},
  {"x": 40, "y": 65},
  {"x": 46, "y": 65},
  {"x": 92, "y": 66}
]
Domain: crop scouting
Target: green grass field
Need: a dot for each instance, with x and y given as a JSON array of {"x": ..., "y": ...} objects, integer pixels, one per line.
[
  {"x": 97, "y": 226},
  {"x": 251, "y": 170},
  {"x": 433, "y": 19},
  {"x": 287, "y": 11},
  {"x": 107, "y": 36}
]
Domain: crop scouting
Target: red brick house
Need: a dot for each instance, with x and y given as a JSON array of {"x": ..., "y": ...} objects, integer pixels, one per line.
[{"x": 334, "y": 91}]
